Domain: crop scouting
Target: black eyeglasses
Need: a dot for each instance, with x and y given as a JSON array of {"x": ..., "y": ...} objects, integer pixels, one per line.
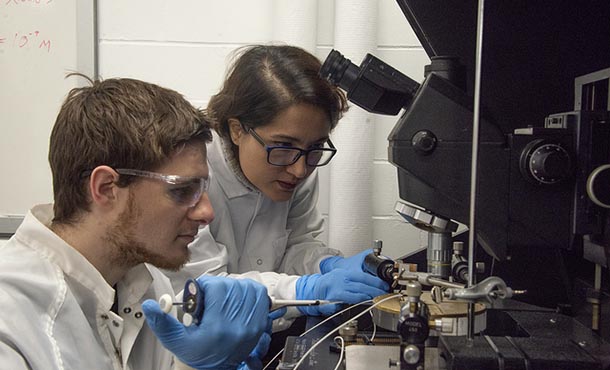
[{"x": 281, "y": 155}]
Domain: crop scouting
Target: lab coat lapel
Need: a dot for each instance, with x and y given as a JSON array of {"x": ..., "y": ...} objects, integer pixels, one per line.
[{"x": 131, "y": 291}]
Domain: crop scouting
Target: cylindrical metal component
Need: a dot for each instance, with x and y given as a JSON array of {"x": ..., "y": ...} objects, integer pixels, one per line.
[
  {"x": 444, "y": 283},
  {"x": 474, "y": 164},
  {"x": 377, "y": 245},
  {"x": 443, "y": 325},
  {"x": 595, "y": 313},
  {"x": 413, "y": 289},
  {"x": 379, "y": 266},
  {"x": 439, "y": 254},
  {"x": 595, "y": 301},
  {"x": 479, "y": 267},
  {"x": 458, "y": 248},
  {"x": 349, "y": 331},
  {"x": 459, "y": 264}
]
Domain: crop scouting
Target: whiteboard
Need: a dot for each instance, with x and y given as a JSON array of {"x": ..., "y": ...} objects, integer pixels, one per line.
[{"x": 41, "y": 41}]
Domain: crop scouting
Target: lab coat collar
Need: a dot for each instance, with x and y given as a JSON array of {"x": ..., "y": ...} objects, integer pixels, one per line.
[
  {"x": 135, "y": 284},
  {"x": 224, "y": 165},
  {"x": 88, "y": 287},
  {"x": 36, "y": 233}
]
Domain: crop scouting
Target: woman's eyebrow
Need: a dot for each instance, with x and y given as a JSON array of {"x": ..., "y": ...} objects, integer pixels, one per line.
[{"x": 283, "y": 137}]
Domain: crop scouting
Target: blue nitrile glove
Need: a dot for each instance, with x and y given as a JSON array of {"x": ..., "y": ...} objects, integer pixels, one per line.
[
  {"x": 234, "y": 318},
  {"x": 255, "y": 359},
  {"x": 347, "y": 286},
  {"x": 349, "y": 263}
]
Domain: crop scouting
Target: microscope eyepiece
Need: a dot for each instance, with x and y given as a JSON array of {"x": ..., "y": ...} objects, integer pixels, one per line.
[
  {"x": 339, "y": 70},
  {"x": 374, "y": 85}
]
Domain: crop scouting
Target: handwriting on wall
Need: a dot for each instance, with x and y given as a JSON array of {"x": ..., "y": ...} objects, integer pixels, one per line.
[
  {"x": 17, "y": 2},
  {"x": 22, "y": 40},
  {"x": 25, "y": 40}
]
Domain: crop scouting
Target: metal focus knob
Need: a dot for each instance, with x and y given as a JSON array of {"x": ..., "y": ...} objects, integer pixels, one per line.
[
  {"x": 545, "y": 163},
  {"x": 411, "y": 354}
]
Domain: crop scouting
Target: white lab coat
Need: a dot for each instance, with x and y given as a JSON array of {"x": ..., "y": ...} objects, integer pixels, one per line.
[
  {"x": 254, "y": 237},
  {"x": 56, "y": 307}
]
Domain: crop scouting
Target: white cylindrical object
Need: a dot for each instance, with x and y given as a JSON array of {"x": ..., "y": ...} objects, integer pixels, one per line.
[
  {"x": 351, "y": 172},
  {"x": 187, "y": 319},
  {"x": 295, "y": 23},
  {"x": 166, "y": 303}
]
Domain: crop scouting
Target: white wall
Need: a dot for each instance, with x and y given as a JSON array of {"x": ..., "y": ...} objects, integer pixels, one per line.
[
  {"x": 184, "y": 46},
  {"x": 40, "y": 43}
]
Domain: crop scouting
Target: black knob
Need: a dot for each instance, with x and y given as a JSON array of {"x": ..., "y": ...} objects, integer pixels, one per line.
[
  {"x": 413, "y": 329},
  {"x": 545, "y": 163},
  {"x": 424, "y": 141}
]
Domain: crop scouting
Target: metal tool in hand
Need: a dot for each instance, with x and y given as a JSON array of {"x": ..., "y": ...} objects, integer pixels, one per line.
[
  {"x": 276, "y": 304},
  {"x": 193, "y": 303}
]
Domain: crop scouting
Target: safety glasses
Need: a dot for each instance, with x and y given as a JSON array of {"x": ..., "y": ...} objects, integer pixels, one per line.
[{"x": 183, "y": 190}]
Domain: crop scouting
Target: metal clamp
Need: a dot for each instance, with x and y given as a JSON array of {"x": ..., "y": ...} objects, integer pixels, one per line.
[{"x": 487, "y": 290}]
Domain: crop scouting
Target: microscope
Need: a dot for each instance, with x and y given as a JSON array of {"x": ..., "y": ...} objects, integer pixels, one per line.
[{"x": 543, "y": 194}]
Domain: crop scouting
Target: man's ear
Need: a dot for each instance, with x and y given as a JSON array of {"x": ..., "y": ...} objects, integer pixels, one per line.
[
  {"x": 102, "y": 185},
  {"x": 236, "y": 130}
]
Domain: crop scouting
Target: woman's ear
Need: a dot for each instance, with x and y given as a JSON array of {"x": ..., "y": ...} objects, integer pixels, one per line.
[{"x": 235, "y": 130}]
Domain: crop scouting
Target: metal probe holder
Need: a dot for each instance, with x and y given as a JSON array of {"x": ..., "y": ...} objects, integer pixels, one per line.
[{"x": 412, "y": 329}]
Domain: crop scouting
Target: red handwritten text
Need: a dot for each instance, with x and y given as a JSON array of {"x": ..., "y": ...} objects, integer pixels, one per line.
[
  {"x": 17, "y": 2},
  {"x": 28, "y": 40}
]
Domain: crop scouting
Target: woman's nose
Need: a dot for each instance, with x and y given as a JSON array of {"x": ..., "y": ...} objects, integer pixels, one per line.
[{"x": 299, "y": 168}]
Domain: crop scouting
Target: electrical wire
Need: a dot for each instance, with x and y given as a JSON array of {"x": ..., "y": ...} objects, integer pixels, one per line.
[
  {"x": 374, "y": 327},
  {"x": 342, "y": 349},
  {"x": 317, "y": 325},
  {"x": 340, "y": 326},
  {"x": 370, "y": 340},
  {"x": 273, "y": 359}
]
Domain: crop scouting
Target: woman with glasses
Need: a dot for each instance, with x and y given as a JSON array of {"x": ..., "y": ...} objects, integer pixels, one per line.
[{"x": 273, "y": 118}]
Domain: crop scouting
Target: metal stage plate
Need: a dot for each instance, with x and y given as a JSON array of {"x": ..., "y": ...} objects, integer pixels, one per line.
[{"x": 362, "y": 357}]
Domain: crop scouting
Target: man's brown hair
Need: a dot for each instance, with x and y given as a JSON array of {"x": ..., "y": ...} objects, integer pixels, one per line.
[{"x": 121, "y": 123}]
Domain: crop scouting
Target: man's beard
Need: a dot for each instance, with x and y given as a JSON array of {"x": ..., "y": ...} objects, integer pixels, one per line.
[{"x": 128, "y": 251}]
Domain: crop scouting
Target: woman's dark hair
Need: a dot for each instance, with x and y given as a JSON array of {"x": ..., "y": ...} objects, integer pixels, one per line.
[{"x": 266, "y": 79}]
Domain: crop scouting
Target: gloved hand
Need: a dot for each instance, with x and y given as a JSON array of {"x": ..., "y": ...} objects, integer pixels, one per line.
[
  {"x": 255, "y": 359},
  {"x": 234, "y": 318},
  {"x": 349, "y": 263},
  {"x": 347, "y": 286}
]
